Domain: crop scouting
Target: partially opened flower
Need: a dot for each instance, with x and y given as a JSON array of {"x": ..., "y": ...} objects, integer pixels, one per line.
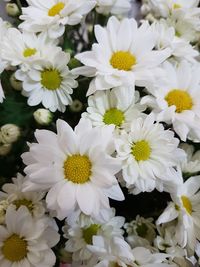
[
  {"x": 123, "y": 56},
  {"x": 75, "y": 167}
]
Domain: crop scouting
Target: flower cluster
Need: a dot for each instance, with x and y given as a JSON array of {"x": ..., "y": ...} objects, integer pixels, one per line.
[{"x": 110, "y": 107}]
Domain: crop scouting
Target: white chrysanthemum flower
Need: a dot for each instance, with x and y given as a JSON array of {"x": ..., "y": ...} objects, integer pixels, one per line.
[
  {"x": 192, "y": 165},
  {"x": 25, "y": 241},
  {"x": 112, "y": 252},
  {"x": 75, "y": 167},
  {"x": 81, "y": 232},
  {"x": 147, "y": 152},
  {"x": 52, "y": 16},
  {"x": 3, "y": 30},
  {"x": 50, "y": 83},
  {"x": 186, "y": 209},
  {"x": 118, "y": 107},
  {"x": 12, "y": 192},
  {"x": 123, "y": 56},
  {"x": 165, "y": 8},
  {"x": 166, "y": 38},
  {"x": 141, "y": 231},
  {"x": 30, "y": 48},
  {"x": 176, "y": 99},
  {"x": 115, "y": 7}
]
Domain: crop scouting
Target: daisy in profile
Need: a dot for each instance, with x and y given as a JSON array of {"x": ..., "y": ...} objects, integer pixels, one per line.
[
  {"x": 80, "y": 233},
  {"x": 12, "y": 192},
  {"x": 176, "y": 99},
  {"x": 184, "y": 211},
  {"x": 114, "y": 7},
  {"x": 118, "y": 106},
  {"x": 147, "y": 152},
  {"x": 75, "y": 167},
  {"x": 52, "y": 16},
  {"x": 50, "y": 82},
  {"x": 29, "y": 50},
  {"x": 24, "y": 242},
  {"x": 123, "y": 56}
]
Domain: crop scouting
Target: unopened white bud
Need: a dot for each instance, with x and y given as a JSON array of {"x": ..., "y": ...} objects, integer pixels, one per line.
[
  {"x": 10, "y": 133},
  {"x": 3, "y": 207},
  {"x": 76, "y": 106},
  {"x": 43, "y": 116},
  {"x": 5, "y": 149},
  {"x": 16, "y": 84},
  {"x": 12, "y": 10}
]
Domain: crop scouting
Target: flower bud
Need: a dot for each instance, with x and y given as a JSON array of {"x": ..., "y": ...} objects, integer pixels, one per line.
[
  {"x": 10, "y": 133},
  {"x": 43, "y": 116},
  {"x": 3, "y": 207},
  {"x": 12, "y": 10},
  {"x": 16, "y": 84},
  {"x": 5, "y": 149},
  {"x": 76, "y": 106}
]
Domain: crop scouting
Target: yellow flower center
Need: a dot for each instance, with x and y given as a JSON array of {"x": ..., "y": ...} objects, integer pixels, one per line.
[
  {"x": 141, "y": 150},
  {"x": 55, "y": 10},
  {"x": 23, "y": 202},
  {"x": 123, "y": 60},
  {"x": 77, "y": 169},
  {"x": 89, "y": 232},
  {"x": 113, "y": 116},
  {"x": 187, "y": 204},
  {"x": 28, "y": 52},
  {"x": 176, "y": 6},
  {"x": 179, "y": 98},
  {"x": 14, "y": 248},
  {"x": 51, "y": 79}
]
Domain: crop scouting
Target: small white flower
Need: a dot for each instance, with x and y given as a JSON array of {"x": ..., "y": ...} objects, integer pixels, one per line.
[
  {"x": 52, "y": 16},
  {"x": 75, "y": 167},
  {"x": 115, "y": 7},
  {"x": 50, "y": 83},
  {"x": 147, "y": 152},
  {"x": 176, "y": 99},
  {"x": 118, "y": 107},
  {"x": 186, "y": 209},
  {"x": 13, "y": 193},
  {"x": 25, "y": 241},
  {"x": 123, "y": 56},
  {"x": 80, "y": 233}
]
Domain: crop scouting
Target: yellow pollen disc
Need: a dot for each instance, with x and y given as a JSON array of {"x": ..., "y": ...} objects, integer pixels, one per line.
[
  {"x": 51, "y": 79},
  {"x": 141, "y": 150},
  {"x": 14, "y": 248},
  {"x": 176, "y": 6},
  {"x": 23, "y": 202},
  {"x": 179, "y": 98},
  {"x": 89, "y": 232},
  {"x": 187, "y": 204},
  {"x": 123, "y": 60},
  {"x": 55, "y": 10},
  {"x": 77, "y": 169},
  {"x": 113, "y": 116},
  {"x": 28, "y": 52}
]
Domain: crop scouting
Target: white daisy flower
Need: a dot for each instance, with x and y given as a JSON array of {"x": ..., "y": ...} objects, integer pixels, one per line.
[
  {"x": 80, "y": 233},
  {"x": 186, "y": 209},
  {"x": 50, "y": 83},
  {"x": 176, "y": 99},
  {"x": 123, "y": 56},
  {"x": 3, "y": 30},
  {"x": 24, "y": 242},
  {"x": 115, "y": 7},
  {"x": 75, "y": 167},
  {"x": 192, "y": 165},
  {"x": 14, "y": 195},
  {"x": 52, "y": 16},
  {"x": 26, "y": 48},
  {"x": 166, "y": 37},
  {"x": 165, "y": 8},
  {"x": 147, "y": 152},
  {"x": 118, "y": 107}
]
